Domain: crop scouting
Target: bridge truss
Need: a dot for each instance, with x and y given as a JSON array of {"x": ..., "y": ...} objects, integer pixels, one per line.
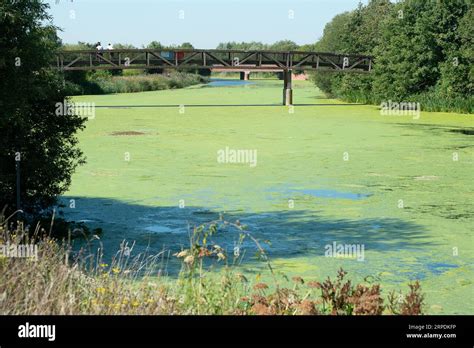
[{"x": 232, "y": 60}]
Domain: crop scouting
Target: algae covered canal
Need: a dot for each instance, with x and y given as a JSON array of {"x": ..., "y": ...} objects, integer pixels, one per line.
[{"x": 321, "y": 174}]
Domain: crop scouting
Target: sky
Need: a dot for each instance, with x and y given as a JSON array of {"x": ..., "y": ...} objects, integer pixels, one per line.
[{"x": 204, "y": 23}]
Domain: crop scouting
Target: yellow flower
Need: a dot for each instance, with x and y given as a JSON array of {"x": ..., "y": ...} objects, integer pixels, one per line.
[
  {"x": 135, "y": 303},
  {"x": 103, "y": 265},
  {"x": 101, "y": 291},
  {"x": 116, "y": 270}
]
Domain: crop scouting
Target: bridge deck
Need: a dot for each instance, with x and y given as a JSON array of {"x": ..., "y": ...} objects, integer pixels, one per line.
[{"x": 210, "y": 59}]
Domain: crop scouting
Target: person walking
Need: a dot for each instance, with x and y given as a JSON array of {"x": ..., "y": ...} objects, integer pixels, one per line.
[{"x": 99, "y": 49}]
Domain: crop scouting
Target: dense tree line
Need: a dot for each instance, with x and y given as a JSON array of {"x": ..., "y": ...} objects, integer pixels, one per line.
[
  {"x": 282, "y": 45},
  {"x": 423, "y": 52}
]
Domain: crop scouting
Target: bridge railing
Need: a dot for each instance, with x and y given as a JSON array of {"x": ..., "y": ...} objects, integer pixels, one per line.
[{"x": 209, "y": 59}]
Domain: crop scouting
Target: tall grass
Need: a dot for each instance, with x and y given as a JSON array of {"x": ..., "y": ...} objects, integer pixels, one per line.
[
  {"x": 62, "y": 281},
  {"x": 143, "y": 83},
  {"x": 103, "y": 82}
]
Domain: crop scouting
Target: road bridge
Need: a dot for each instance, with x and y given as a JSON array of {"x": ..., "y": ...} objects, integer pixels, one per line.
[{"x": 231, "y": 60}]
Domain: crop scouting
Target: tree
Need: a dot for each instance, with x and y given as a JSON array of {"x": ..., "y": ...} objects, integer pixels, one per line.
[
  {"x": 31, "y": 129},
  {"x": 284, "y": 45},
  {"x": 333, "y": 40},
  {"x": 466, "y": 50},
  {"x": 420, "y": 42},
  {"x": 454, "y": 37},
  {"x": 186, "y": 46},
  {"x": 155, "y": 45}
]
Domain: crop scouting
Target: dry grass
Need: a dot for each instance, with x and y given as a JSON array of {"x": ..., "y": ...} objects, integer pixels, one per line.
[{"x": 64, "y": 282}]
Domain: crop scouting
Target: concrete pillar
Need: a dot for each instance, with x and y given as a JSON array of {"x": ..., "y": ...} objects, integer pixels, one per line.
[
  {"x": 245, "y": 75},
  {"x": 287, "y": 88}
]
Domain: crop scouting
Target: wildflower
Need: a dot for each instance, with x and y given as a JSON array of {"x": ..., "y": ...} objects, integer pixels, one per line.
[
  {"x": 116, "y": 270},
  {"x": 204, "y": 252},
  {"x": 101, "y": 291},
  {"x": 103, "y": 265},
  {"x": 135, "y": 303},
  {"x": 220, "y": 256}
]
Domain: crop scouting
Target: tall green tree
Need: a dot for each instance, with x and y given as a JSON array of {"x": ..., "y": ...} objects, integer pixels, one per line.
[
  {"x": 422, "y": 51},
  {"x": 31, "y": 129},
  {"x": 417, "y": 40}
]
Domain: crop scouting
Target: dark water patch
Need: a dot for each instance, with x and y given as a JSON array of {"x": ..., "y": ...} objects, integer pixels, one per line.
[
  {"x": 126, "y": 133},
  {"x": 439, "y": 267},
  {"x": 463, "y": 131},
  {"x": 291, "y": 233}
]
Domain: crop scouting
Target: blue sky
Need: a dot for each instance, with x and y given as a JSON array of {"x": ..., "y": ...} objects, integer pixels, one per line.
[{"x": 204, "y": 23}]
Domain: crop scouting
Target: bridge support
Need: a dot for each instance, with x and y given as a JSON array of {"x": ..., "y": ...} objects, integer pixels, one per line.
[
  {"x": 245, "y": 75},
  {"x": 287, "y": 88}
]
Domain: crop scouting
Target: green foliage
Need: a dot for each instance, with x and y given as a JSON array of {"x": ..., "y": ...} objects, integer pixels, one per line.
[
  {"x": 282, "y": 45},
  {"x": 29, "y": 124},
  {"x": 422, "y": 50}
]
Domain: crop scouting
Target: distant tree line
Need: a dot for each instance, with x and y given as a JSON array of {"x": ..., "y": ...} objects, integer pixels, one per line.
[{"x": 423, "y": 52}]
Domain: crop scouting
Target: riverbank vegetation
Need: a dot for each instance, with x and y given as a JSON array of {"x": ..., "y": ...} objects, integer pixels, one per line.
[
  {"x": 102, "y": 82},
  {"x": 423, "y": 52},
  {"x": 60, "y": 281}
]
